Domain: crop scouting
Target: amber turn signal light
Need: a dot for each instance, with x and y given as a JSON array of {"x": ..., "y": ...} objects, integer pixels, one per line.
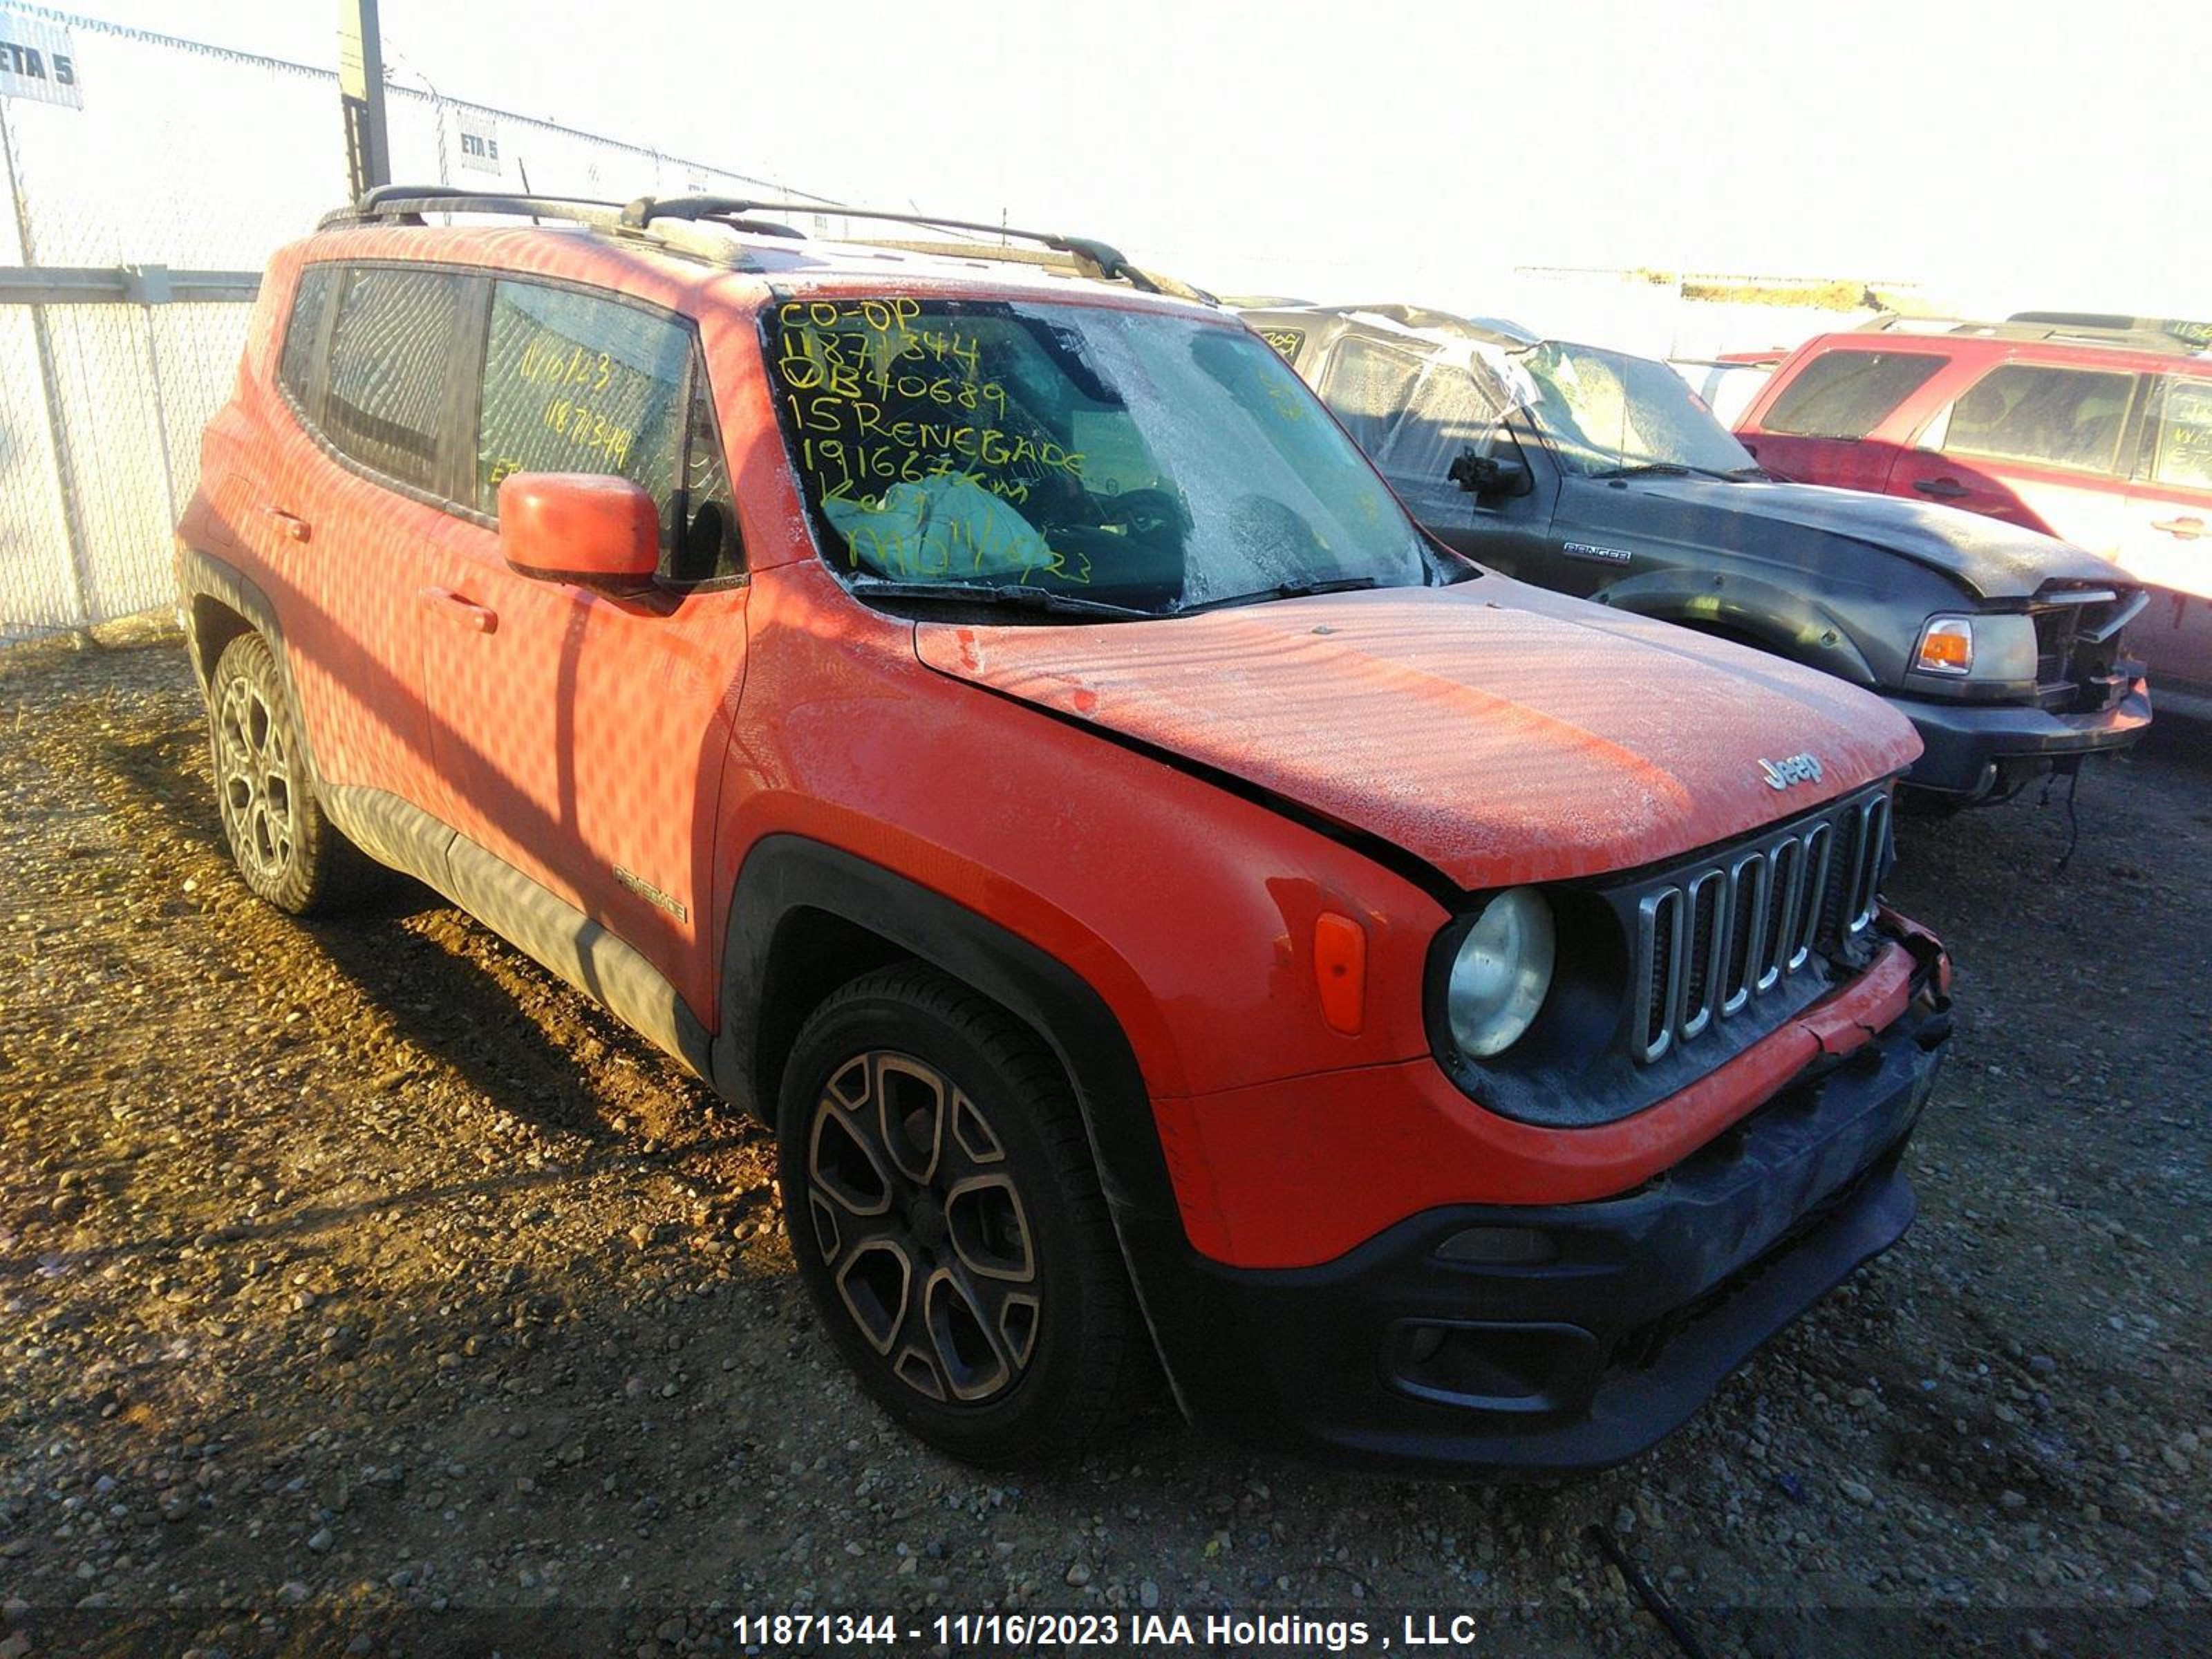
[
  {"x": 1341, "y": 971},
  {"x": 1947, "y": 647}
]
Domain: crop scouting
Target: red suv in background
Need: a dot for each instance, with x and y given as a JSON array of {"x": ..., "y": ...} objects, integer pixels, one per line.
[
  {"x": 2100, "y": 437},
  {"x": 989, "y": 719}
]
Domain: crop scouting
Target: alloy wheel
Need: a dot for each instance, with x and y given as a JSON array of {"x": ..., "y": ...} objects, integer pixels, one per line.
[
  {"x": 922, "y": 1229},
  {"x": 255, "y": 770}
]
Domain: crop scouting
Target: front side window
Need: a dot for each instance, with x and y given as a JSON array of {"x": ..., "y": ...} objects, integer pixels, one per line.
[
  {"x": 1367, "y": 387},
  {"x": 303, "y": 331},
  {"x": 1146, "y": 461},
  {"x": 2068, "y": 417},
  {"x": 1450, "y": 413},
  {"x": 2184, "y": 455},
  {"x": 1608, "y": 415},
  {"x": 575, "y": 383},
  {"x": 1846, "y": 394},
  {"x": 391, "y": 352}
]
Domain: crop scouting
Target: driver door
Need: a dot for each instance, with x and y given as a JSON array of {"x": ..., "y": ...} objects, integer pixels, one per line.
[
  {"x": 579, "y": 734},
  {"x": 1415, "y": 416}
]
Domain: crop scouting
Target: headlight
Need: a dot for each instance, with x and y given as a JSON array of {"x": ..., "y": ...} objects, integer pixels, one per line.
[
  {"x": 1947, "y": 646},
  {"x": 1500, "y": 974}
]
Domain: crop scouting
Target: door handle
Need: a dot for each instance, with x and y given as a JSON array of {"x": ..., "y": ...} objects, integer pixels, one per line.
[
  {"x": 1948, "y": 490},
  {"x": 290, "y": 525},
  {"x": 2188, "y": 529},
  {"x": 461, "y": 609}
]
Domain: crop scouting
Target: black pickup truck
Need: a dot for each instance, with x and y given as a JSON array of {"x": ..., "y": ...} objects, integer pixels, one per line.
[{"x": 1603, "y": 476}]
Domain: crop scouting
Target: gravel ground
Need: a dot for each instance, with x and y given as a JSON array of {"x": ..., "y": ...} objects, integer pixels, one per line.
[{"x": 363, "y": 1290}]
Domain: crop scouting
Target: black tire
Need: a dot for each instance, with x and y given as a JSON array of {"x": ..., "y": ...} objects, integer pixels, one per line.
[
  {"x": 289, "y": 853},
  {"x": 991, "y": 1176}
]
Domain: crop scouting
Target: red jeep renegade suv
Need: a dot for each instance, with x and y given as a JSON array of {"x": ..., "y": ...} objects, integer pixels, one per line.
[{"x": 985, "y": 716}]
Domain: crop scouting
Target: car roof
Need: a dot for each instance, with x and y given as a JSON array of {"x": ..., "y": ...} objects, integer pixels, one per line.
[
  {"x": 2134, "y": 352},
  {"x": 728, "y": 260},
  {"x": 1423, "y": 322}
]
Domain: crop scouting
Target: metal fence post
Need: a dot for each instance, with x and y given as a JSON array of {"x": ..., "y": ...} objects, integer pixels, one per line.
[
  {"x": 50, "y": 395},
  {"x": 149, "y": 286}
]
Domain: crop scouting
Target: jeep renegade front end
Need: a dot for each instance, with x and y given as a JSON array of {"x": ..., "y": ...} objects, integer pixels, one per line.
[{"x": 989, "y": 720}]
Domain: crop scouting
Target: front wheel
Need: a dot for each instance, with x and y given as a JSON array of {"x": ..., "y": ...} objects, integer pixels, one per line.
[{"x": 946, "y": 1217}]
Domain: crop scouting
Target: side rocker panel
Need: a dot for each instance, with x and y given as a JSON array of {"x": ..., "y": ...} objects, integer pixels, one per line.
[{"x": 402, "y": 835}]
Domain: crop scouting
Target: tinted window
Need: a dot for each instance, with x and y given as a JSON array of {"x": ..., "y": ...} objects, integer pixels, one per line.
[
  {"x": 2185, "y": 435},
  {"x": 2058, "y": 417},
  {"x": 1367, "y": 385},
  {"x": 304, "y": 330},
  {"x": 1846, "y": 394},
  {"x": 572, "y": 383},
  {"x": 395, "y": 338},
  {"x": 708, "y": 548}
]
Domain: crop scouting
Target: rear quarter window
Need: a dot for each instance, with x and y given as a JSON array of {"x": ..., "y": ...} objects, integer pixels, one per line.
[
  {"x": 1846, "y": 394},
  {"x": 303, "y": 332},
  {"x": 391, "y": 352}
]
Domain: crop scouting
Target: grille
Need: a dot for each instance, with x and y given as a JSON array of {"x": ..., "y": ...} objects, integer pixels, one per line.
[
  {"x": 2078, "y": 645},
  {"x": 1714, "y": 938},
  {"x": 2054, "y": 646}
]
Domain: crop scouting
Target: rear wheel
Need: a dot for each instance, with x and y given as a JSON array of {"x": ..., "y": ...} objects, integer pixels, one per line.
[
  {"x": 289, "y": 854},
  {"x": 945, "y": 1214}
]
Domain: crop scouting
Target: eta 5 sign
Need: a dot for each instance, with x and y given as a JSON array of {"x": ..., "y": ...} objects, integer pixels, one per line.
[{"x": 37, "y": 60}]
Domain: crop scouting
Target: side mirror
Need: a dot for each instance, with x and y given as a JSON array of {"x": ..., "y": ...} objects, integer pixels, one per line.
[
  {"x": 587, "y": 528},
  {"x": 1490, "y": 475}
]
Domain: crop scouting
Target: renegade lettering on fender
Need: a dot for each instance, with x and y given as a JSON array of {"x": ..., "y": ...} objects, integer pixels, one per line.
[{"x": 1795, "y": 768}]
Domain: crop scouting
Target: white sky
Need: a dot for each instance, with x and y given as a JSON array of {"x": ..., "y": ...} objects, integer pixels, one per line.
[{"x": 2024, "y": 154}]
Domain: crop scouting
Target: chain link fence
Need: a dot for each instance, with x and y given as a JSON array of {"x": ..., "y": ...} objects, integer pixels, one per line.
[{"x": 138, "y": 224}]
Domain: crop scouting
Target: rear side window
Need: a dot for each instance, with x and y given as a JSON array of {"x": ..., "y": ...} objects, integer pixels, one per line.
[
  {"x": 578, "y": 383},
  {"x": 1368, "y": 385},
  {"x": 2184, "y": 455},
  {"x": 2068, "y": 417},
  {"x": 303, "y": 332},
  {"x": 390, "y": 351},
  {"x": 1846, "y": 394}
]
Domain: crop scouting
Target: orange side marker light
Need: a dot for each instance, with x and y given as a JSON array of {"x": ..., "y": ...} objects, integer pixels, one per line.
[{"x": 1341, "y": 971}]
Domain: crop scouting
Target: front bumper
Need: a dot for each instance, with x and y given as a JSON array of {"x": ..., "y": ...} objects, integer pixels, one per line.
[
  {"x": 1970, "y": 749},
  {"x": 1393, "y": 1356}
]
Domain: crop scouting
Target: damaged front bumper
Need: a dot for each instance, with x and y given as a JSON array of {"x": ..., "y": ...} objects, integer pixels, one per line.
[
  {"x": 1572, "y": 1336},
  {"x": 1971, "y": 750}
]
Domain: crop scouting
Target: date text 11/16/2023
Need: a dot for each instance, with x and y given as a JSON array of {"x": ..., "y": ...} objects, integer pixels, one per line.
[{"x": 1286, "y": 1633}]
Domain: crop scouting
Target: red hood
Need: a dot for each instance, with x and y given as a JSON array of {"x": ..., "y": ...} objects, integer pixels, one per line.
[{"x": 1497, "y": 733}]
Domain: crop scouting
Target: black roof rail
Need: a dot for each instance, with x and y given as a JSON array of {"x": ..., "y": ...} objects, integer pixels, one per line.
[
  {"x": 1105, "y": 261},
  {"x": 407, "y": 204}
]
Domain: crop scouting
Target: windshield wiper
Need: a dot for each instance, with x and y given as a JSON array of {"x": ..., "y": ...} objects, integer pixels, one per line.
[
  {"x": 1303, "y": 588},
  {"x": 1667, "y": 469},
  {"x": 1024, "y": 599}
]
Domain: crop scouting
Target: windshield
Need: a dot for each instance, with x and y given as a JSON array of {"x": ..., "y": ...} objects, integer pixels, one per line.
[
  {"x": 1124, "y": 458},
  {"x": 1606, "y": 413}
]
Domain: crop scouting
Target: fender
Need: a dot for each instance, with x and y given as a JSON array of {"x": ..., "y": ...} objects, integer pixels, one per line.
[
  {"x": 202, "y": 575},
  {"x": 784, "y": 874},
  {"x": 1788, "y": 624}
]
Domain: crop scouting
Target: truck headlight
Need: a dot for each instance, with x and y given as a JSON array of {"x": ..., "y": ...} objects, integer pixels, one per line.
[
  {"x": 1946, "y": 646},
  {"x": 1500, "y": 973}
]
